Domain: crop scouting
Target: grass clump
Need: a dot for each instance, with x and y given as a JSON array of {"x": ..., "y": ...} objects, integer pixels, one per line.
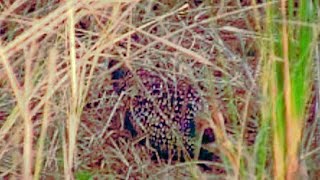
[{"x": 289, "y": 61}]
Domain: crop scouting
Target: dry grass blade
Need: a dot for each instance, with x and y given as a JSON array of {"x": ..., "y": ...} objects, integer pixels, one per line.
[
  {"x": 228, "y": 148},
  {"x": 53, "y": 55},
  {"x": 73, "y": 120}
]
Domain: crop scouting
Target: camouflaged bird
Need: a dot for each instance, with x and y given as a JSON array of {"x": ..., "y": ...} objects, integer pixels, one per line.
[{"x": 164, "y": 107}]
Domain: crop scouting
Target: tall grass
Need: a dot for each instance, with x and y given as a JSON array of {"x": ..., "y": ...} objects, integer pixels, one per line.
[
  {"x": 287, "y": 79},
  {"x": 58, "y": 69},
  {"x": 51, "y": 68},
  {"x": 21, "y": 94}
]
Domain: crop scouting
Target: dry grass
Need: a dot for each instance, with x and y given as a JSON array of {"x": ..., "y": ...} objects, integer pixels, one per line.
[{"x": 60, "y": 117}]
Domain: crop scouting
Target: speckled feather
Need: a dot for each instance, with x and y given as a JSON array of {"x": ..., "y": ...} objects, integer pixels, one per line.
[{"x": 164, "y": 108}]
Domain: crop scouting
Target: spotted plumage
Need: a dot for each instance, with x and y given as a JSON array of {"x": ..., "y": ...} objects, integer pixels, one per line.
[{"x": 163, "y": 107}]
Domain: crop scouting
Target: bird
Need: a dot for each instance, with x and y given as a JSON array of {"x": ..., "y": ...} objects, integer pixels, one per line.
[{"x": 163, "y": 107}]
